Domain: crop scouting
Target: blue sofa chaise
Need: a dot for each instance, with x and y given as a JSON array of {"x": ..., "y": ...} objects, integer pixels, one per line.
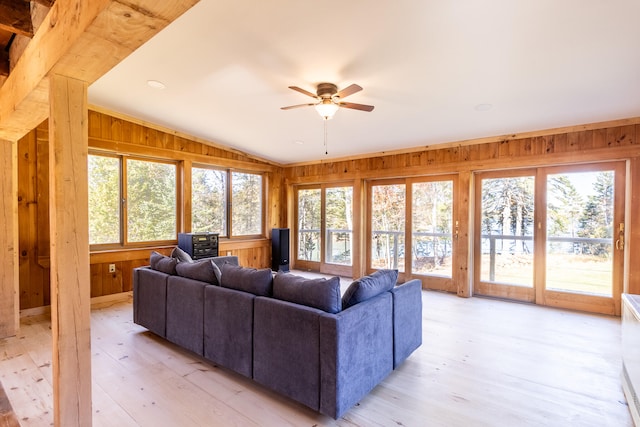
[{"x": 299, "y": 337}]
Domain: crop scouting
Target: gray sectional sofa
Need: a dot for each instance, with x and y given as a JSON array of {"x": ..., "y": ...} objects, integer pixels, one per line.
[{"x": 299, "y": 337}]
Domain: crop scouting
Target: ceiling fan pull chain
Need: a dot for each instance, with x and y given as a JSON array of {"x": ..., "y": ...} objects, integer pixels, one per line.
[{"x": 326, "y": 147}]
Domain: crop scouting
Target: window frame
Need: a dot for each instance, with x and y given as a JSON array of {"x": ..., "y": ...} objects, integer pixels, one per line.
[
  {"x": 229, "y": 200},
  {"x": 123, "y": 232}
]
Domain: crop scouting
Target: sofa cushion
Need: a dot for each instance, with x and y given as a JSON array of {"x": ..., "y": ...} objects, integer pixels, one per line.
[
  {"x": 321, "y": 293},
  {"x": 369, "y": 286},
  {"x": 165, "y": 264},
  {"x": 199, "y": 270},
  {"x": 255, "y": 281},
  {"x": 181, "y": 255}
]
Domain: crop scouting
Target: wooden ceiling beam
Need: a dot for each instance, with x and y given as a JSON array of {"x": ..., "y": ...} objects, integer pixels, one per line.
[
  {"x": 82, "y": 40},
  {"x": 47, "y": 3},
  {"x": 15, "y": 16}
]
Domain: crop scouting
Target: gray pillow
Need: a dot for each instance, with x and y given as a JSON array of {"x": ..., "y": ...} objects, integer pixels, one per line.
[
  {"x": 162, "y": 263},
  {"x": 323, "y": 294},
  {"x": 181, "y": 255},
  {"x": 200, "y": 270},
  {"x": 257, "y": 282},
  {"x": 369, "y": 286},
  {"x": 216, "y": 272}
]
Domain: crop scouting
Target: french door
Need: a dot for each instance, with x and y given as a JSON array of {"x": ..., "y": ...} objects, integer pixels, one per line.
[
  {"x": 553, "y": 236},
  {"x": 324, "y": 230},
  {"x": 410, "y": 228}
]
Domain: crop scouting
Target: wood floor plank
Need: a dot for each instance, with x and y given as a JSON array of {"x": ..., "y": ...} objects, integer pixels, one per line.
[{"x": 482, "y": 363}]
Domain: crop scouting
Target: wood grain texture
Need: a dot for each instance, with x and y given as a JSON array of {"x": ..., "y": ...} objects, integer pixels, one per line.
[
  {"x": 9, "y": 274},
  {"x": 482, "y": 363},
  {"x": 69, "y": 229}
]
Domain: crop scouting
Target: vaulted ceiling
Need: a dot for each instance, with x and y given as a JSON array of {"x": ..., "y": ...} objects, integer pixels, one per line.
[{"x": 436, "y": 71}]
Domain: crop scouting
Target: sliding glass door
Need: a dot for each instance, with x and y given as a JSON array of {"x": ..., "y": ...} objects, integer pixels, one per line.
[
  {"x": 584, "y": 237},
  {"x": 554, "y": 236},
  {"x": 411, "y": 228}
]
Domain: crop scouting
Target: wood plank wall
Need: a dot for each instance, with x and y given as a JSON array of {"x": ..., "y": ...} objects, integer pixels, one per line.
[
  {"x": 580, "y": 144},
  {"x": 116, "y": 134},
  {"x": 618, "y": 140}
]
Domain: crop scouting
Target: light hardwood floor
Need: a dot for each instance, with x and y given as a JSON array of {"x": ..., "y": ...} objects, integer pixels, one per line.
[{"x": 483, "y": 363}]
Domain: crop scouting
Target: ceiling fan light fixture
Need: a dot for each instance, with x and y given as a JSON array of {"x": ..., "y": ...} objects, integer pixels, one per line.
[{"x": 326, "y": 109}]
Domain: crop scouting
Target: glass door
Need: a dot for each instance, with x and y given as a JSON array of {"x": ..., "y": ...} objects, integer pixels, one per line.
[
  {"x": 387, "y": 225},
  {"x": 584, "y": 237},
  {"x": 553, "y": 236},
  {"x": 432, "y": 232},
  {"x": 504, "y": 250},
  {"x": 410, "y": 224},
  {"x": 324, "y": 232}
]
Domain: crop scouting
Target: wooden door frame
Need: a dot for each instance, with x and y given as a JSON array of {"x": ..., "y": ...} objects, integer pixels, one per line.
[
  {"x": 541, "y": 295},
  {"x": 432, "y": 281},
  {"x": 573, "y": 300},
  {"x": 322, "y": 266}
]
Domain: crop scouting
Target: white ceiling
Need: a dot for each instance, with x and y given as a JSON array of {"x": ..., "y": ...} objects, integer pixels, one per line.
[{"x": 426, "y": 65}]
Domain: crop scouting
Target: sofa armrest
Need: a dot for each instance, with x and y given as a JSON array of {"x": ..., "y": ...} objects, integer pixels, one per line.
[
  {"x": 407, "y": 320},
  {"x": 356, "y": 353},
  {"x": 150, "y": 299}
]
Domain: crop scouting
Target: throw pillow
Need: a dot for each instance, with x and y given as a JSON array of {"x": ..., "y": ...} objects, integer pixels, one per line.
[
  {"x": 255, "y": 281},
  {"x": 323, "y": 294},
  {"x": 180, "y": 255},
  {"x": 162, "y": 263},
  {"x": 200, "y": 270},
  {"x": 369, "y": 286},
  {"x": 216, "y": 272}
]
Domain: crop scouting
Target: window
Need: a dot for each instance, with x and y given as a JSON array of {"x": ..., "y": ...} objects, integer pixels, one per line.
[
  {"x": 136, "y": 206},
  {"x": 208, "y": 198},
  {"x": 431, "y": 222},
  {"x": 387, "y": 226},
  {"x": 151, "y": 201},
  {"x": 226, "y": 202},
  {"x": 246, "y": 204},
  {"x": 104, "y": 200}
]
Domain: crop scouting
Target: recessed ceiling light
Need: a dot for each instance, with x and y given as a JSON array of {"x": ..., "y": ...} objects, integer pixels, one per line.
[
  {"x": 156, "y": 84},
  {"x": 298, "y": 142},
  {"x": 483, "y": 107}
]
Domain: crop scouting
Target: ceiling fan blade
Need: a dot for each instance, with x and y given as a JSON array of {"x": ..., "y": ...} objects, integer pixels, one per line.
[
  {"x": 354, "y": 106},
  {"x": 290, "y": 107},
  {"x": 306, "y": 92},
  {"x": 349, "y": 90}
]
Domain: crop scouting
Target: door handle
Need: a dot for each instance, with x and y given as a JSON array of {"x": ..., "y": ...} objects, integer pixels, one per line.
[{"x": 620, "y": 241}]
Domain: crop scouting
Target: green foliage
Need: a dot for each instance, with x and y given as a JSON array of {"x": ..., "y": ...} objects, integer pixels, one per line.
[
  {"x": 151, "y": 204},
  {"x": 208, "y": 200},
  {"x": 246, "y": 211},
  {"x": 597, "y": 218},
  {"x": 309, "y": 224},
  {"x": 104, "y": 199},
  {"x": 564, "y": 206}
]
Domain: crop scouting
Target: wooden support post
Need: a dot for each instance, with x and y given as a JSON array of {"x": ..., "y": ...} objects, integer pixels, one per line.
[
  {"x": 463, "y": 232},
  {"x": 69, "y": 229},
  {"x": 9, "y": 283}
]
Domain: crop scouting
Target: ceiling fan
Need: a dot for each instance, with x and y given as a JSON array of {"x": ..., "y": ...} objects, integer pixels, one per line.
[{"x": 329, "y": 99}]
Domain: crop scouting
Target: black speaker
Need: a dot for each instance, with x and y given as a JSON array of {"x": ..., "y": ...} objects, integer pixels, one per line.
[{"x": 280, "y": 249}]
